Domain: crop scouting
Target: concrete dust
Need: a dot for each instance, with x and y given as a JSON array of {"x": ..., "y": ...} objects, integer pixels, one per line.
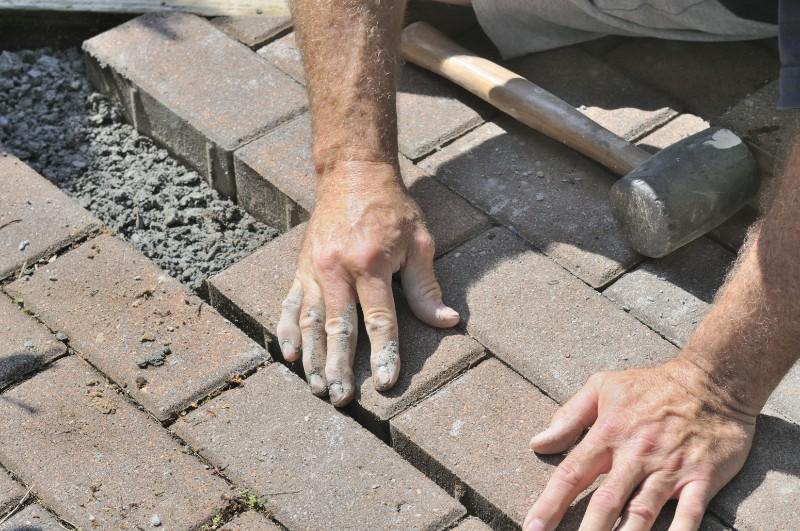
[{"x": 52, "y": 119}]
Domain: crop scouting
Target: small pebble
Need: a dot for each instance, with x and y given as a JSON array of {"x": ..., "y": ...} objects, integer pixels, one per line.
[
  {"x": 52, "y": 278},
  {"x": 540, "y": 174},
  {"x": 155, "y": 520},
  {"x": 23, "y": 245},
  {"x": 28, "y": 344},
  {"x": 540, "y": 196},
  {"x": 61, "y": 336}
]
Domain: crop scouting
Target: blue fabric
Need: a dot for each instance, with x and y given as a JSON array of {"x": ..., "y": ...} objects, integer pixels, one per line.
[{"x": 789, "y": 21}]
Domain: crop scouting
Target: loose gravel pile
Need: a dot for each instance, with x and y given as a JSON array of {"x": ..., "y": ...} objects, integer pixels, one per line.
[{"x": 51, "y": 118}]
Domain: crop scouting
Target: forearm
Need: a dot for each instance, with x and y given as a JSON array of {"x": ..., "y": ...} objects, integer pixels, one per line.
[
  {"x": 751, "y": 337},
  {"x": 350, "y": 52}
]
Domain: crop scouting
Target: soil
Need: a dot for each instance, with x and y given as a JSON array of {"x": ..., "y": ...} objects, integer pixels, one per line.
[{"x": 51, "y": 118}]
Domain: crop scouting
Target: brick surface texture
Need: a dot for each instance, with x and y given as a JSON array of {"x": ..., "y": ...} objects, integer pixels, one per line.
[
  {"x": 472, "y": 436},
  {"x": 37, "y": 218},
  {"x": 316, "y": 467},
  {"x": 253, "y": 31},
  {"x": 429, "y": 356},
  {"x": 97, "y": 460},
  {"x": 34, "y": 517},
  {"x": 609, "y": 97},
  {"x": 250, "y": 521},
  {"x": 681, "y": 127},
  {"x": 10, "y": 493},
  {"x": 538, "y": 318},
  {"x": 188, "y": 85},
  {"x": 472, "y": 524},
  {"x": 118, "y": 308},
  {"x": 555, "y": 200},
  {"x": 672, "y": 294},
  {"x": 285, "y": 54},
  {"x": 681, "y": 69},
  {"x": 26, "y": 345}
]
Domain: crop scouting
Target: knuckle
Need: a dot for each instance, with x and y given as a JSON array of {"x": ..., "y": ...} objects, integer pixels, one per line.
[
  {"x": 612, "y": 428},
  {"x": 369, "y": 258},
  {"x": 379, "y": 321},
  {"x": 608, "y": 500},
  {"x": 425, "y": 243},
  {"x": 311, "y": 319},
  {"x": 327, "y": 259},
  {"x": 339, "y": 326},
  {"x": 568, "y": 474},
  {"x": 641, "y": 510}
]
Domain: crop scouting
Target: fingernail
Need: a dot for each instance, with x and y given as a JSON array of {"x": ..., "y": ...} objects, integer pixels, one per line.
[
  {"x": 446, "y": 313},
  {"x": 317, "y": 384},
  {"x": 382, "y": 378},
  {"x": 539, "y": 437},
  {"x": 336, "y": 392},
  {"x": 287, "y": 348},
  {"x": 535, "y": 525}
]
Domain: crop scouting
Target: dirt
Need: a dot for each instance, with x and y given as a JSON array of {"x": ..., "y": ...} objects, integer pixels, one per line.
[{"x": 51, "y": 118}]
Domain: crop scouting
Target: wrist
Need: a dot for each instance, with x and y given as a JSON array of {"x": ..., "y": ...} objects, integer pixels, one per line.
[{"x": 360, "y": 177}]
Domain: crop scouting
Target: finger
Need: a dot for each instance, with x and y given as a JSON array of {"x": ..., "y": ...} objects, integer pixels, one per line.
[
  {"x": 691, "y": 508},
  {"x": 575, "y": 473},
  {"x": 421, "y": 287},
  {"x": 644, "y": 507},
  {"x": 312, "y": 330},
  {"x": 289, "y": 337},
  {"x": 610, "y": 498},
  {"x": 377, "y": 302},
  {"x": 570, "y": 420},
  {"x": 342, "y": 331}
]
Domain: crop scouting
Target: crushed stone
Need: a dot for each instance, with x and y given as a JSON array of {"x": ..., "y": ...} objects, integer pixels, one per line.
[{"x": 51, "y": 118}]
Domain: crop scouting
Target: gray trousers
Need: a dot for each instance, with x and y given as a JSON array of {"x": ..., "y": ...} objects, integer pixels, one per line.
[{"x": 518, "y": 27}]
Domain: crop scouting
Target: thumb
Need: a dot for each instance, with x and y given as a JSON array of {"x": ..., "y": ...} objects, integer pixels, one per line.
[
  {"x": 570, "y": 420},
  {"x": 420, "y": 285}
]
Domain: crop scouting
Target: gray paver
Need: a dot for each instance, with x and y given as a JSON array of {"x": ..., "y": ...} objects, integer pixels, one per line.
[
  {"x": 251, "y": 292},
  {"x": 26, "y": 345},
  {"x": 676, "y": 130},
  {"x": 739, "y": 68},
  {"x": 186, "y": 84},
  {"x": 472, "y": 437},
  {"x": 250, "y": 521},
  {"x": 553, "y": 198},
  {"x": 253, "y": 31},
  {"x": 472, "y": 524},
  {"x": 603, "y": 93},
  {"x": 37, "y": 219},
  {"x": 764, "y": 494},
  {"x": 317, "y": 468},
  {"x": 119, "y": 308},
  {"x": 785, "y": 400},
  {"x": 277, "y": 184},
  {"x": 549, "y": 326},
  {"x": 10, "y": 493},
  {"x": 34, "y": 517},
  {"x": 430, "y": 111},
  {"x": 672, "y": 295},
  {"x": 733, "y": 232},
  {"x": 771, "y": 132},
  {"x": 97, "y": 460}
]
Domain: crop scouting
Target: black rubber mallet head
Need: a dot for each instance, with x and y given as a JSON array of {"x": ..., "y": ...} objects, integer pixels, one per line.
[{"x": 663, "y": 202}]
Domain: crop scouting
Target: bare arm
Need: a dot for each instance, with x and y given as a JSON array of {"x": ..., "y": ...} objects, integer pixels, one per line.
[
  {"x": 365, "y": 227},
  {"x": 683, "y": 430}
]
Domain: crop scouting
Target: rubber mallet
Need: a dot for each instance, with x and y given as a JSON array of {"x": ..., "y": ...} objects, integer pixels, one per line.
[{"x": 663, "y": 201}]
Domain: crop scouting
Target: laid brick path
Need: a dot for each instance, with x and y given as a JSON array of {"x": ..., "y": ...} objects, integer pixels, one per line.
[{"x": 125, "y": 400}]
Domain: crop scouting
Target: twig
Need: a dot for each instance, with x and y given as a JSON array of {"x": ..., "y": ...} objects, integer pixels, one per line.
[
  {"x": 7, "y": 223},
  {"x": 11, "y": 513}
]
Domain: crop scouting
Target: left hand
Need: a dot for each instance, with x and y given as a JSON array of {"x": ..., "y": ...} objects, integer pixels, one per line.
[{"x": 660, "y": 433}]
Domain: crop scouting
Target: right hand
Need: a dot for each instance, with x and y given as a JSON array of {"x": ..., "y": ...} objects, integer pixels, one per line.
[{"x": 365, "y": 227}]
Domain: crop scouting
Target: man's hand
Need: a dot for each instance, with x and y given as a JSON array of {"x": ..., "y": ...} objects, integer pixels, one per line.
[
  {"x": 660, "y": 433},
  {"x": 364, "y": 228}
]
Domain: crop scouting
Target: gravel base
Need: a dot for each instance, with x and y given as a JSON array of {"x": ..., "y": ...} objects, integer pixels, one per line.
[{"x": 51, "y": 118}]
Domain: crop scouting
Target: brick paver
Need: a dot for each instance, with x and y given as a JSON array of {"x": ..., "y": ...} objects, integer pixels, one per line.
[
  {"x": 554, "y": 199},
  {"x": 472, "y": 436},
  {"x": 253, "y": 31},
  {"x": 34, "y": 517},
  {"x": 676, "y": 130},
  {"x": 10, "y": 493},
  {"x": 603, "y": 93},
  {"x": 681, "y": 69},
  {"x": 764, "y": 495},
  {"x": 785, "y": 400},
  {"x": 96, "y": 459},
  {"x": 769, "y": 131},
  {"x": 26, "y": 344},
  {"x": 277, "y": 184},
  {"x": 250, "y": 521},
  {"x": 671, "y": 295},
  {"x": 138, "y": 325},
  {"x": 316, "y": 468},
  {"x": 430, "y": 110},
  {"x": 36, "y": 218},
  {"x": 250, "y": 292},
  {"x": 188, "y": 85},
  {"x": 733, "y": 232},
  {"x": 538, "y": 318},
  {"x": 472, "y": 524}
]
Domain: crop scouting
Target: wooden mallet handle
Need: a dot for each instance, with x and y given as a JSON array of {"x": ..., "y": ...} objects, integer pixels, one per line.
[{"x": 423, "y": 45}]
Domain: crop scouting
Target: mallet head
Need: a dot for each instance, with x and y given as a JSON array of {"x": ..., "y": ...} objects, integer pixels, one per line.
[{"x": 684, "y": 191}]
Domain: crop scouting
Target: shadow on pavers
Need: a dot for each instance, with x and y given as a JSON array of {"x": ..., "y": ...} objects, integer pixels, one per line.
[{"x": 16, "y": 366}]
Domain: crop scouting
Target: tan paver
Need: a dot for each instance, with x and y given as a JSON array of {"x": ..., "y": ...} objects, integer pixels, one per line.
[
  {"x": 250, "y": 521},
  {"x": 556, "y": 200},
  {"x": 676, "y": 130},
  {"x": 253, "y": 31},
  {"x": 37, "y": 219},
  {"x": 603, "y": 93},
  {"x": 317, "y": 468},
  {"x": 119, "y": 309},
  {"x": 34, "y": 517},
  {"x": 251, "y": 291},
  {"x": 544, "y": 322},
  {"x": 97, "y": 460},
  {"x": 472, "y": 524},
  {"x": 185, "y": 83},
  {"x": 26, "y": 345},
  {"x": 10, "y": 493}
]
